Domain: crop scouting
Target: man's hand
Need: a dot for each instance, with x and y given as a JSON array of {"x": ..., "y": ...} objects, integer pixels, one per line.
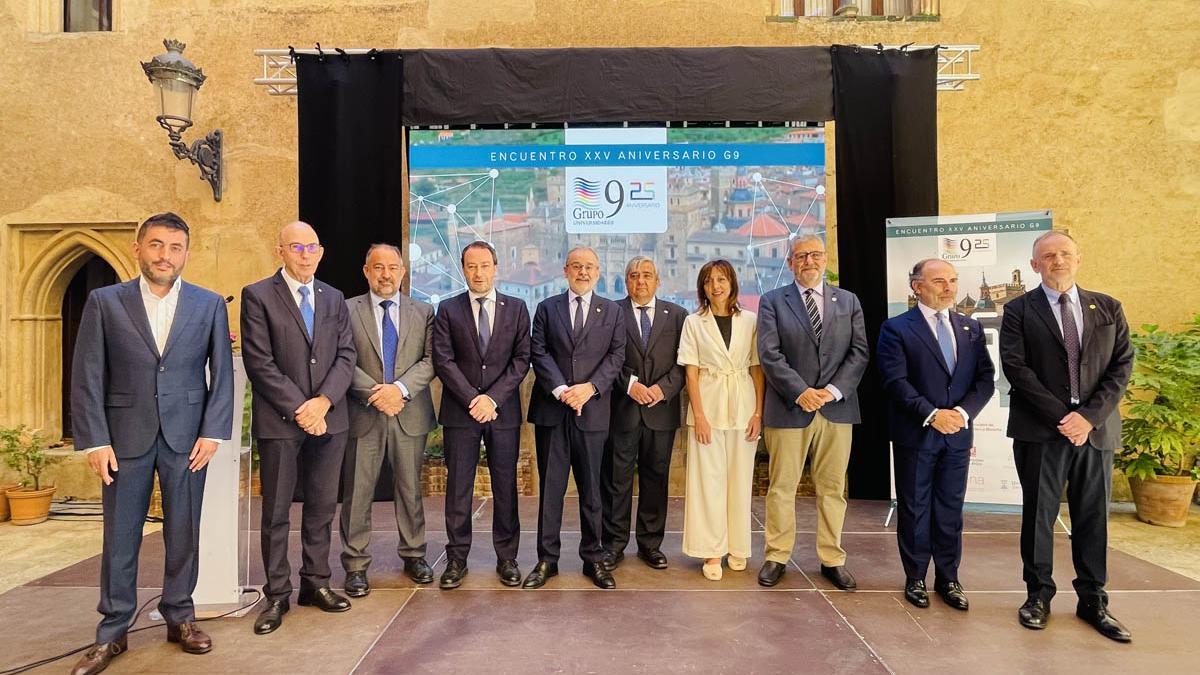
[
  {"x": 312, "y": 411},
  {"x": 947, "y": 421},
  {"x": 202, "y": 451},
  {"x": 641, "y": 393},
  {"x": 1075, "y": 427},
  {"x": 317, "y": 429},
  {"x": 482, "y": 409},
  {"x": 578, "y": 395},
  {"x": 102, "y": 461},
  {"x": 387, "y": 399},
  {"x": 657, "y": 392},
  {"x": 812, "y": 399}
]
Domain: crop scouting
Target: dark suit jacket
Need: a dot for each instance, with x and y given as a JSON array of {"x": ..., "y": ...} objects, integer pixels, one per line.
[
  {"x": 917, "y": 381},
  {"x": 558, "y": 359},
  {"x": 657, "y": 365},
  {"x": 123, "y": 392},
  {"x": 414, "y": 365},
  {"x": 285, "y": 368},
  {"x": 465, "y": 373},
  {"x": 793, "y": 361},
  {"x": 1034, "y": 359}
]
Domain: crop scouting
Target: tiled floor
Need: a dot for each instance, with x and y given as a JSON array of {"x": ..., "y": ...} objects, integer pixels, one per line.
[{"x": 656, "y": 621}]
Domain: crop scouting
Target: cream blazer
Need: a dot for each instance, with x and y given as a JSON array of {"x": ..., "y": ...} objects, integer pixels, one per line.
[{"x": 726, "y": 389}]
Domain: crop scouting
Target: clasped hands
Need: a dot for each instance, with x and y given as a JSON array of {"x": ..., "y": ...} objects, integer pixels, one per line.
[
  {"x": 647, "y": 396},
  {"x": 947, "y": 421},
  {"x": 1075, "y": 427},
  {"x": 813, "y": 399},
  {"x": 310, "y": 416},
  {"x": 577, "y": 395}
]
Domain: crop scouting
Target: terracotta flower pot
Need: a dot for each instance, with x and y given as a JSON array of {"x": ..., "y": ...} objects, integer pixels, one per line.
[
  {"x": 1163, "y": 500},
  {"x": 4, "y": 487},
  {"x": 30, "y": 507}
]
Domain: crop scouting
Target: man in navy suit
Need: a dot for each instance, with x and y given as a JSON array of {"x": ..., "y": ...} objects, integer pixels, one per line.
[
  {"x": 938, "y": 376},
  {"x": 141, "y": 404},
  {"x": 481, "y": 355},
  {"x": 577, "y": 348}
]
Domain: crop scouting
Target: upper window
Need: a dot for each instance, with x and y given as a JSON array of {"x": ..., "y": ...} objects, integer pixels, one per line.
[
  {"x": 80, "y": 16},
  {"x": 860, "y": 8}
]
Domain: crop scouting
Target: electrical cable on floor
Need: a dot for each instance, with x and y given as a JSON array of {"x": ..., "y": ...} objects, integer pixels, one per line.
[{"x": 37, "y": 664}]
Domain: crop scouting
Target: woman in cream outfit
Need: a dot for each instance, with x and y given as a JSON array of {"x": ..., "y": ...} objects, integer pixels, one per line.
[{"x": 725, "y": 389}]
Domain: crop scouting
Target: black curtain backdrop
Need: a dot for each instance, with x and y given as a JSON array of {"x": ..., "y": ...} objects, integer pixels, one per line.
[
  {"x": 885, "y": 118},
  {"x": 351, "y": 139}
]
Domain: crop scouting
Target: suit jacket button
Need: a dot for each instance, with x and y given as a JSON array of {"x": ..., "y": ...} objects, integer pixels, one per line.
[
  {"x": 485, "y": 367},
  {"x": 312, "y": 361},
  {"x": 283, "y": 417},
  {"x": 162, "y": 369}
]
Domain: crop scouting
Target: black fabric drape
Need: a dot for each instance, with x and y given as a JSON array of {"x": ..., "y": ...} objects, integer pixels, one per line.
[
  {"x": 351, "y": 143},
  {"x": 495, "y": 86},
  {"x": 885, "y": 118}
]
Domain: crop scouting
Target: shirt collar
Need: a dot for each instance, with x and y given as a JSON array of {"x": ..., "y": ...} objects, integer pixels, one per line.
[
  {"x": 294, "y": 284},
  {"x": 648, "y": 304},
  {"x": 376, "y": 299},
  {"x": 171, "y": 295},
  {"x": 490, "y": 295},
  {"x": 929, "y": 312},
  {"x": 587, "y": 297},
  {"x": 818, "y": 290},
  {"x": 1052, "y": 294}
]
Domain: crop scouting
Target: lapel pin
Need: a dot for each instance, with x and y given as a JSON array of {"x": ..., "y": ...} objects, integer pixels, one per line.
[
  {"x": 833, "y": 299},
  {"x": 597, "y": 310},
  {"x": 966, "y": 328},
  {"x": 1091, "y": 307},
  {"x": 318, "y": 290}
]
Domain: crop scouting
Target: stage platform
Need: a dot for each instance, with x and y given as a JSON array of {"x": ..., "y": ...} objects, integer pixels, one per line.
[{"x": 672, "y": 620}]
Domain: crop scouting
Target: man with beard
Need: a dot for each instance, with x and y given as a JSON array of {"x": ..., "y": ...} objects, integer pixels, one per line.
[{"x": 141, "y": 405}]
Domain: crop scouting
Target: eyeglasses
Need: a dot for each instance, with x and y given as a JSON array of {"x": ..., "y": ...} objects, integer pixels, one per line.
[
  {"x": 301, "y": 248},
  {"x": 816, "y": 256},
  {"x": 579, "y": 267}
]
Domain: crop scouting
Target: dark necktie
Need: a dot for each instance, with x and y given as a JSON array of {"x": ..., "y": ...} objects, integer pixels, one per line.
[
  {"x": 389, "y": 343},
  {"x": 1071, "y": 340},
  {"x": 946, "y": 342},
  {"x": 814, "y": 316},
  {"x": 577, "y": 328},
  {"x": 306, "y": 311},
  {"x": 485, "y": 330},
  {"x": 645, "y": 323}
]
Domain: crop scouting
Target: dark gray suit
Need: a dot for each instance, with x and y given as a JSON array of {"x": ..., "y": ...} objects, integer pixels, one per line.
[
  {"x": 374, "y": 434},
  {"x": 286, "y": 368},
  {"x": 643, "y": 436},
  {"x": 150, "y": 408}
]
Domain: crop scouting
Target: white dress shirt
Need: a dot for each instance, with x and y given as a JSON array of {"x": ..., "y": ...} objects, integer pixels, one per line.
[
  {"x": 489, "y": 304},
  {"x": 637, "y": 315},
  {"x": 931, "y": 320},
  {"x": 394, "y": 312},
  {"x": 818, "y": 292},
  {"x": 572, "y": 306},
  {"x": 294, "y": 286}
]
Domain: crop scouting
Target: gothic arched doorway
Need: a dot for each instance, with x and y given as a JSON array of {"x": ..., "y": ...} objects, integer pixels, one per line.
[{"x": 94, "y": 274}]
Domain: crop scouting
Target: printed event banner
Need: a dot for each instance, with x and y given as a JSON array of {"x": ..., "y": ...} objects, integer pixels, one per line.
[{"x": 991, "y": 252}]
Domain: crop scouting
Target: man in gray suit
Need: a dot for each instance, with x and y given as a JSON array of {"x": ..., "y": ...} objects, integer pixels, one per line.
[
  {"x": 391, "y": 414},
  {"x": 141, "y": 405},
  {"x": 299, "y": 356},
  {"x": 812, "y": 344}
]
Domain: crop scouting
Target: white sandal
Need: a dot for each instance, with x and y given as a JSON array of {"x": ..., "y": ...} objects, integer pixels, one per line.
[
  {"x": 736, "y": 564},
  {"x": 712, "y": 572}
]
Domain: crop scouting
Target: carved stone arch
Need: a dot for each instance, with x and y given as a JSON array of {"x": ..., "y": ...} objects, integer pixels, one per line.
[{"x": 43, "y": 284}]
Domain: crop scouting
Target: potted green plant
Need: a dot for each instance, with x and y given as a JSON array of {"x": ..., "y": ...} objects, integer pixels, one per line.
[
  {"x": 25, "y": 452},
  {"x": 1161, "y": 429}
]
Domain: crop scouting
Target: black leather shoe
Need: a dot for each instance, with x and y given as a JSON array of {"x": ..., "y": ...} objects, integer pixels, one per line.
[
  {"x": 453, "y": 575},
  {"x": 540, "y": 575},
  {"x": 654, "y": 558},
  {"x": 99, "y": 656},
  {"x": 599, "y": 575},
  {"x": 839, "y": 576},
  {"x": 1034, "y": 613},
  {"x": 952, "y": 594},
  {"x": 771, "y": 573},
  {"x": 271, "y": 617},
  {"x": 324, "y": 599},
  {"x": 509, "y": 573},
  {"x": 915, "y": 594},
  {"x": 418, "y": 570},
  {"x": 356, "y": 585},
  {"x": 1104, "y": 623},
  {"x": 612, "y": 560}
]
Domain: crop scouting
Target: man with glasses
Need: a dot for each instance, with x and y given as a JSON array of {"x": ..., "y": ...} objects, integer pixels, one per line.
[
  {"x": 812, "y": 345},
  {"x": 299, "y": 357},
  {"x": 578, "y": 348}
]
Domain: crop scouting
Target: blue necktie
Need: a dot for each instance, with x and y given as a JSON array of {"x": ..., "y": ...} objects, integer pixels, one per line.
[
  {"x": 945, "y": 342},
  {"x": 306, "y": 310},
  {"x": 645, "y": 326},
  {"x": 390, "y": 338},
  {"x": 485, "y": 330}
]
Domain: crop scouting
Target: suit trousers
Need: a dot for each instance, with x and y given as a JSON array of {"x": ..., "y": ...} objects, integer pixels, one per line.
[
  {"x": 829, "y": 445},
  {"x": 462, "y": 458},
  {"x": 279, "y": 460},
  {"x": 126, "y": 501},
  {"x": 720, "y": 481},
  {"x": 1086, "y": 471},
  {"x": 564, "y": 450},
  {"x": 931, "y": 484},
  {"x": 650, "y": 452},
  {"x": 360, "y": 473}
]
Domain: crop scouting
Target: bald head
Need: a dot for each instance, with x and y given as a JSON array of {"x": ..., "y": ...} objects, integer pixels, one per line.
[{"x": 300, "y": 250}]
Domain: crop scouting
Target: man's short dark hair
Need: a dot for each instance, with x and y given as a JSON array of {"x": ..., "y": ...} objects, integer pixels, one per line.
[
  {"x": 166, "y": 219},
  {"x": 478, "y": 244}
]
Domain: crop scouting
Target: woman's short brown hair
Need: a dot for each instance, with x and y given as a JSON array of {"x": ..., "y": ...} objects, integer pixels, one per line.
[{"x": 706, "y": 271}]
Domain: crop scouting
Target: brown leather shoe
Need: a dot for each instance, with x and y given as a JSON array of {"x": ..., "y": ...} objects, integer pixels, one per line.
[
  {"x": 190, "y": 637},
  {"x": 98, "y": 656}
]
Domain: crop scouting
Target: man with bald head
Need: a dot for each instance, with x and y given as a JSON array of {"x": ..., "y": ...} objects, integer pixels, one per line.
[
  {"x": 299, "y": 356},
  {"x": 1067, "y": 355},
  {"x": 938, "y": 376}
]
